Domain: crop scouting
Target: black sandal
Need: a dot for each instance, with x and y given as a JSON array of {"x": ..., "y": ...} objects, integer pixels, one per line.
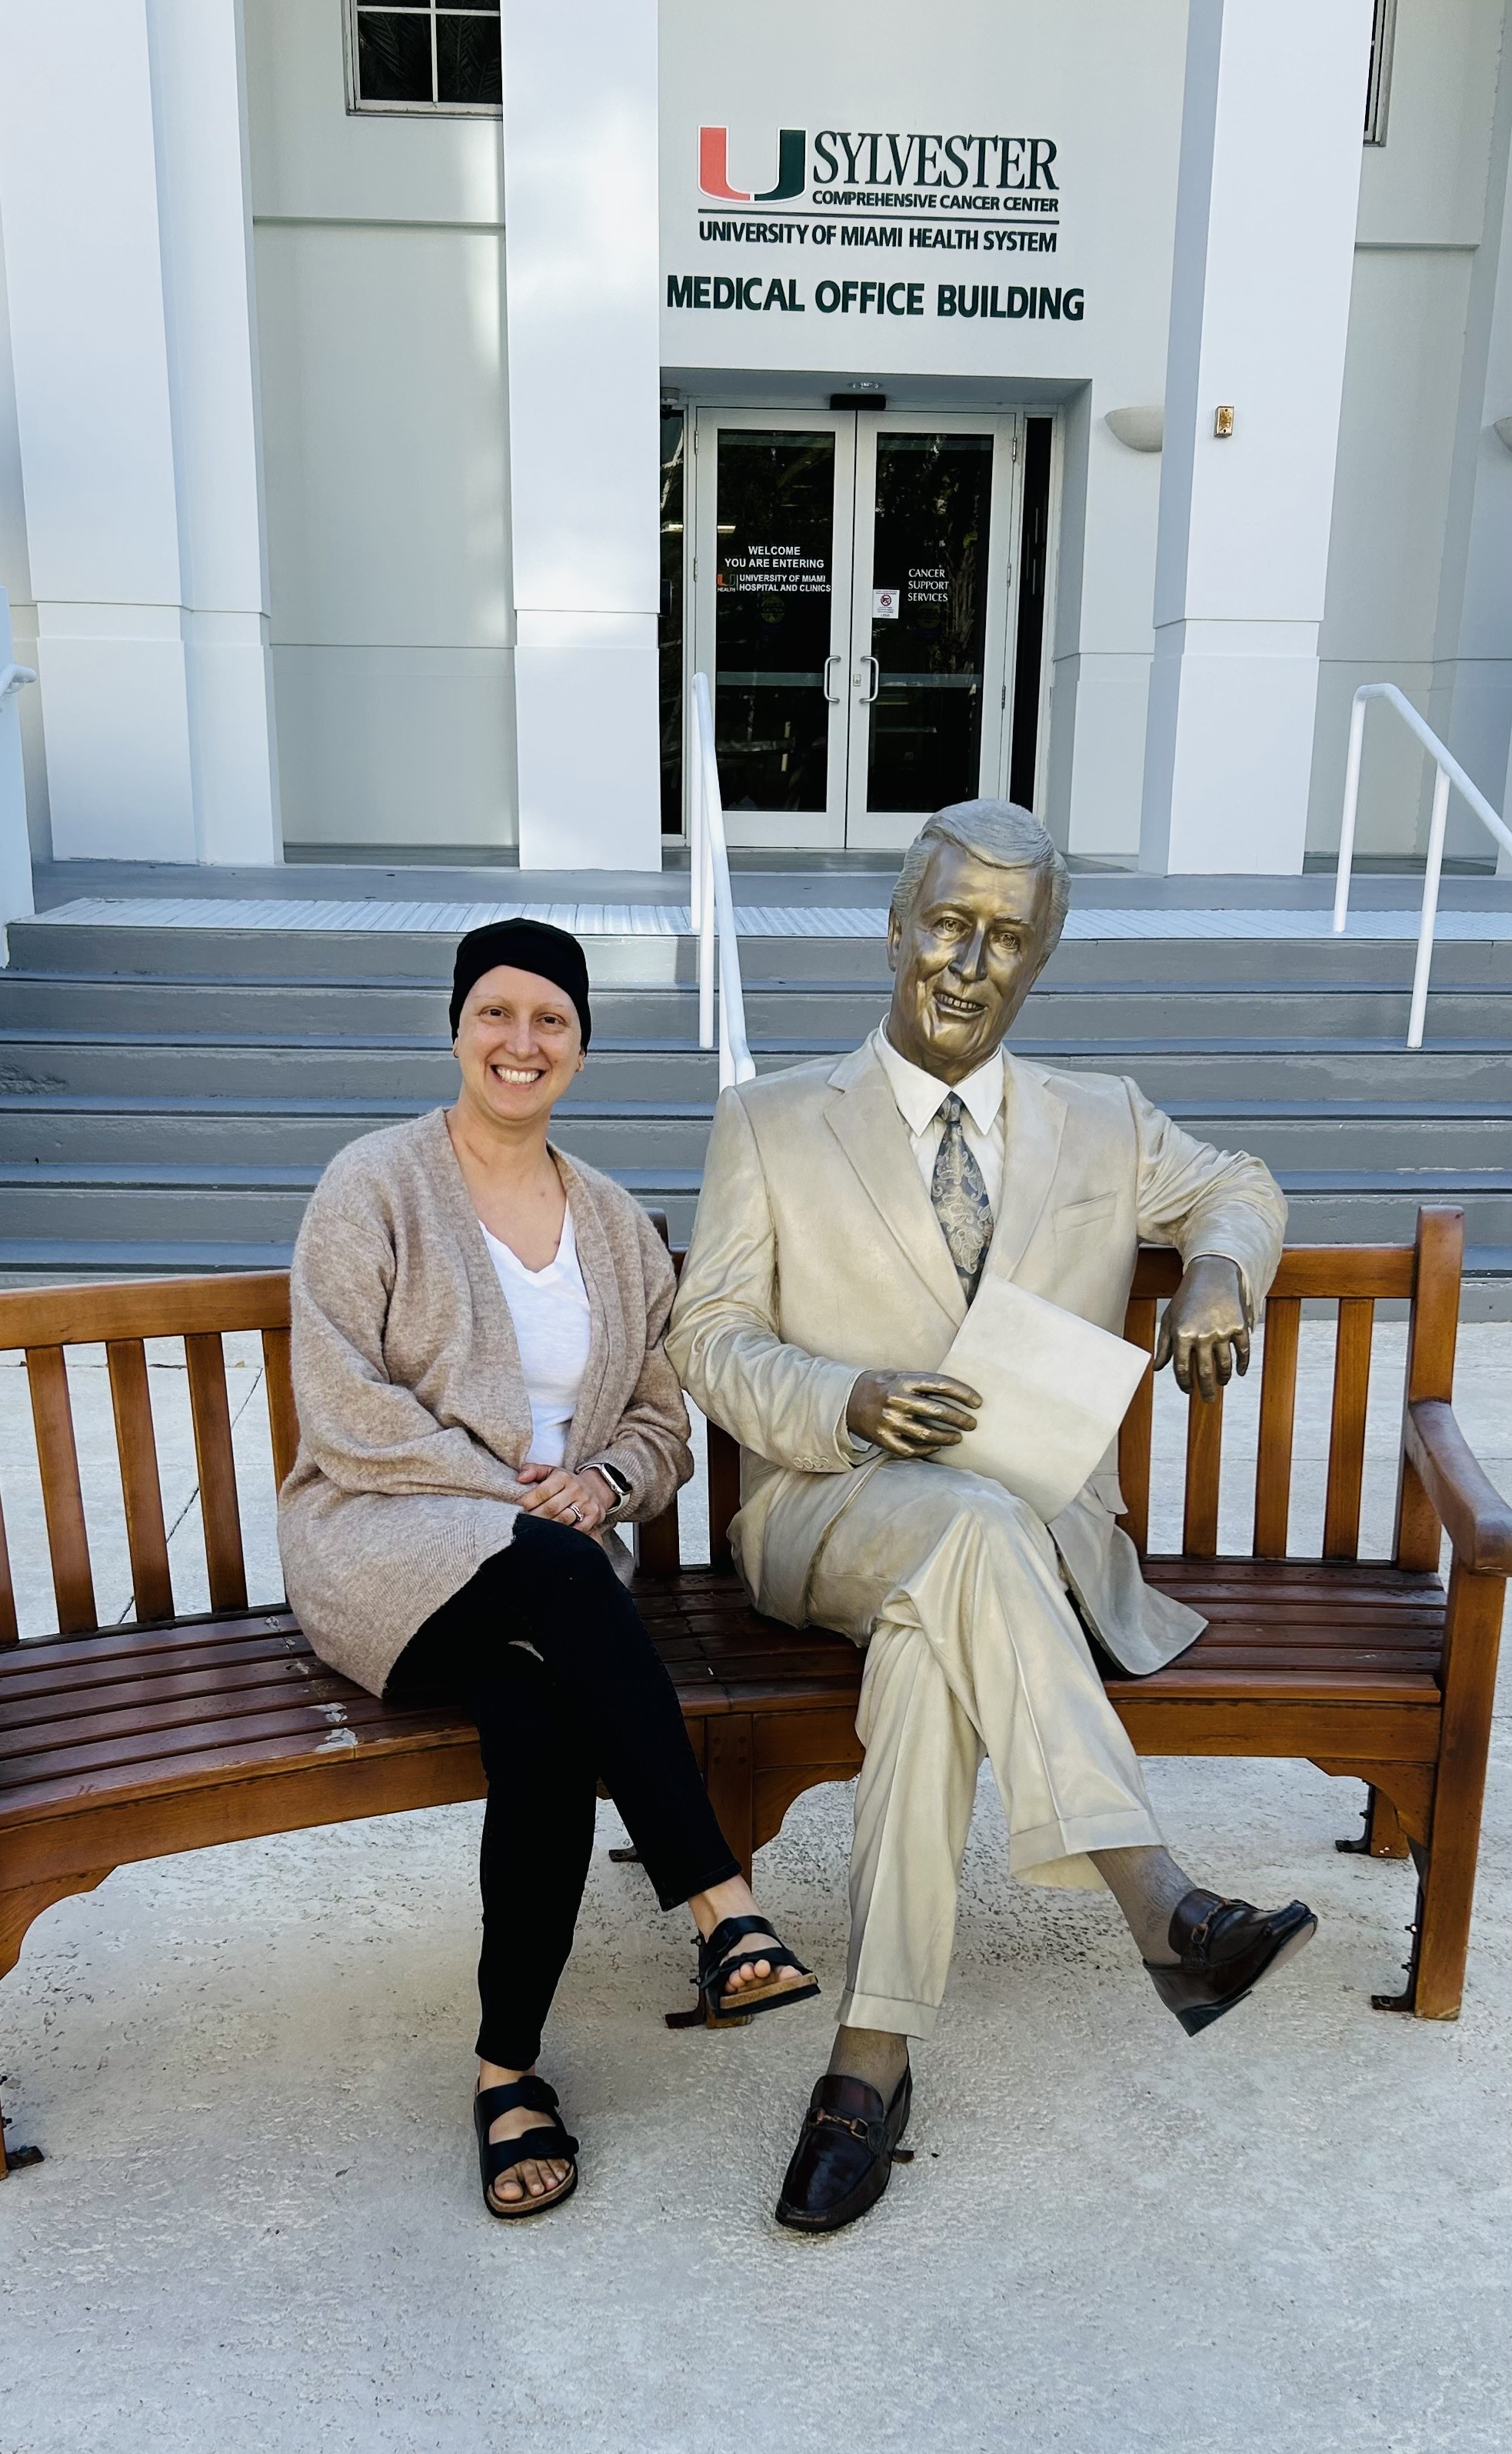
[
  {"x": 546, "y": 2140},
  {"x": 715, "y": 1958}
]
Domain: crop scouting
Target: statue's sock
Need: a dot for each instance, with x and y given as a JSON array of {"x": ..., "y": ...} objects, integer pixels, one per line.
[
  {"x": 1148, "y": 1886},
  {"x": 874, "y": 2055}
]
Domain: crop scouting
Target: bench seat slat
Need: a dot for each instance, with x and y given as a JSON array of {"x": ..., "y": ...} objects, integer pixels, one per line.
[
  {"x": 48, "y": 1677},
  {"x": 321, "y": 1734},
  {"x": 1393, "y": 1688},
  {"x": 123, "y": 1784},
  {"x": 125, "y": 1709}
]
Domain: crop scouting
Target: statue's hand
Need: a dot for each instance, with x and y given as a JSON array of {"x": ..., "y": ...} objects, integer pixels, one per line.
[
  {"x": 910, "y": 1413},
  {"x": 1204, "y": 1332}
]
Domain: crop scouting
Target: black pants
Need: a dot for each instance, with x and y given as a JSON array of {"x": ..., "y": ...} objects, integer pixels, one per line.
[{"x": 545, "y": 1651}]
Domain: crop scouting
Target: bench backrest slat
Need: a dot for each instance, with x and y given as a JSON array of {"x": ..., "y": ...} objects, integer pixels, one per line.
[
  {"x": 214, "y": 1455},
  {"x": 724, "y": 1493},
  {"x": 62, "y": 1497},
  {"x": 283, "y": 1422},
  {"x": 1431, "y": 1340},
  {"x": 10, "y": 1625},
  {"x": 1346, "y": 1436},
  {"x": 141, "y": 1488},
  {"x": 1278, "y": 1409},
  {"x": 1204, "y": 1462},
  {"x": 1135, "y": 1434}
]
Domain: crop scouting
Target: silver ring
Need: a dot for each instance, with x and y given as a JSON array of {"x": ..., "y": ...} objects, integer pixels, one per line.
[{"x": 575, "y": 1514}]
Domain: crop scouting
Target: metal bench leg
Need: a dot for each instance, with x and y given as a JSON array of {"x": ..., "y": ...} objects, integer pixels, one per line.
[
  {"x": 1383, "y": 1836},
  {"x": 1471, "y": 1635},
  {"x": 17, "y": 1910}
]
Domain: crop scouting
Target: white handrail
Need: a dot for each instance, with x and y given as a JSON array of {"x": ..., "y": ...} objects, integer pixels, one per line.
[
  {"x": 15, "y": 844},
  {"x": 714, "y": 905},
  {"x": 1450, "y": 772}
]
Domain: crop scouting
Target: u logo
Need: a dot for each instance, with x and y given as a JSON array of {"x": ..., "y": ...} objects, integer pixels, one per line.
[{"x": 713, "y": 168}]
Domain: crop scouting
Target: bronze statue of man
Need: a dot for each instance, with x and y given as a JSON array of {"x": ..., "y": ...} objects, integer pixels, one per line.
[{"x": 849, "y": 1213}]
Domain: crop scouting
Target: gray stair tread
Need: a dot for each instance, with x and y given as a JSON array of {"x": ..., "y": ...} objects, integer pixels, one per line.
[
  {"x": 232, "y": 1173},
  {"x": 341, "y": 1053},
  {"x": 1103, "y": 1049},
  {"x": 212, "y": 1104}
]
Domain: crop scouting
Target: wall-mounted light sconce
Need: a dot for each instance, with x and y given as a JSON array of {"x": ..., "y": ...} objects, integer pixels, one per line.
[
  {"x": 1138, "y": 429},
  {"x": 1223, "y": 420},
  {"x": 1502, "y": 428}
]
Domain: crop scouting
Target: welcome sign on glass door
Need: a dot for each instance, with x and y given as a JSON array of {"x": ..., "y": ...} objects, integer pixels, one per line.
[{"x": 854, "y": 602}]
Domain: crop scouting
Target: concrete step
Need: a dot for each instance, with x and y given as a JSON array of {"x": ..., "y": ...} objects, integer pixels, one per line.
[
  {"x": 102, "y": 999},
  {"x": 357, "y": 955},
  {"x": 1064, "y": 1022},
  {"x": 61, "y": 1064},
  {"x": 210, "y": 1206},
  {"x": 51, "y": 1208},
  {"x": 350, "y": 956},
  {"x": 150, "y": 1132}
]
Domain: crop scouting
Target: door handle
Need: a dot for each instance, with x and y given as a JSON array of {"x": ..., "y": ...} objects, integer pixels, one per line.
[
  {"x": 869, "y": 697},
  {"x": 832, "y": 696}
]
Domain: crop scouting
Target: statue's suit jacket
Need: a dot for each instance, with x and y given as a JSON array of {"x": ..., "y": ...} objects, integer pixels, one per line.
[{"x": 816, "y": 1254}]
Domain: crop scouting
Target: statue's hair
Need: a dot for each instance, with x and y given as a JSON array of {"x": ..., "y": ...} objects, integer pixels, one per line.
[{"x": 998, "y": 832}]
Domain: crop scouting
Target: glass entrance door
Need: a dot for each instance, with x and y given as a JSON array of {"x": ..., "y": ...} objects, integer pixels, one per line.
[{"x": 853, "y": 589}]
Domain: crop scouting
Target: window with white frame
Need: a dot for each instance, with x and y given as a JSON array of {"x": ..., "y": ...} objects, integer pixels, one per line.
[
  {"x": 1378, "y": 86},
  {"x": 423, "y": 55}
]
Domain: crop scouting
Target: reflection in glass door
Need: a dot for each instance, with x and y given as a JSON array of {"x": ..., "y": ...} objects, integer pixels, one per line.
[
  {"x": 932, "y": 587},
  {"x": 775, "y": 563},
  {"x": 852, "y": 602},
  {"x": 930, "y": 536}
]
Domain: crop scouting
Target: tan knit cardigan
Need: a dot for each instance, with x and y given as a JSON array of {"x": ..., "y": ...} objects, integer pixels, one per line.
[{"x": 413, "y": 1412}]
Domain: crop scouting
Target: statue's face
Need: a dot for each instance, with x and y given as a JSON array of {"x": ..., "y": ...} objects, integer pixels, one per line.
[{"x": 965, "y": 961}]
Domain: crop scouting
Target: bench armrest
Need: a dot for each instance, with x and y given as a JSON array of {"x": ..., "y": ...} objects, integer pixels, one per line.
[{"x": 1472, "y": 1511}]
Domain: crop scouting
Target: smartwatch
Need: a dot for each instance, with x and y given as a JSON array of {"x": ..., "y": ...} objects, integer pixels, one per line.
[{"x": 618, "y": 1483}]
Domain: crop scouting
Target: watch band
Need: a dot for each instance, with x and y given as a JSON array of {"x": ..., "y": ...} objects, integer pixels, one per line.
[{"x": 618, "y": 1483}]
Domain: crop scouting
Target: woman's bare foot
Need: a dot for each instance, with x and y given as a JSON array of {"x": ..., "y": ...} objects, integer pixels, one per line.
[
  {"x": 744, "y": 1965},
  {"x": 539, "y": 2176}
]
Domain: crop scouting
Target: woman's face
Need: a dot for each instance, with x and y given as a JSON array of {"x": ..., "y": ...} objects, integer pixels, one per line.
[{"x": 519, "y": 1044}]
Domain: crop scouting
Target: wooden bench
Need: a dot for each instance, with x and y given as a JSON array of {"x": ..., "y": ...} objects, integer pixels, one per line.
[{"x": 131, "y": 1741}]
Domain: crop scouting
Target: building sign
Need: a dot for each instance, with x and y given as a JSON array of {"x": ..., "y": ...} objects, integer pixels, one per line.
[
  {"x": 893, "y": 176},
  {"x": 875, "y": 189},
  {"x": 836, "y": 195}
]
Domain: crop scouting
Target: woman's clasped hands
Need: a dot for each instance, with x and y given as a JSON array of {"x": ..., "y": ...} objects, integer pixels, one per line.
[{"x": 578, "y": 1500}]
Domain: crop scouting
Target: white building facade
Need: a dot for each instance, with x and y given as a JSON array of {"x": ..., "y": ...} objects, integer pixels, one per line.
[{"x": 398, "y": 404}]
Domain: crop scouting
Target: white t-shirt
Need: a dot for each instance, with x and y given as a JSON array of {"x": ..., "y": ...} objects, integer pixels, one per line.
[{"x": 549, "y": 1309}]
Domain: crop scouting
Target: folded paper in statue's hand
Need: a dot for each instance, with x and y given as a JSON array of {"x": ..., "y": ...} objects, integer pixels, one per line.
[{"x": 1054, "y": 1390}]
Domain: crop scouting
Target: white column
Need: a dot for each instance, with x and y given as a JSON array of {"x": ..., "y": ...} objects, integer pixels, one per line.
[
  {"x": 1470, "y": 704},
  {"x": 1266, "y": 204},
  {"x": 580, "y": 172},
  {"x": 15, "y": 843},
  {"x": 122, "y": 180},
  {"x": 204, "y": 205}
]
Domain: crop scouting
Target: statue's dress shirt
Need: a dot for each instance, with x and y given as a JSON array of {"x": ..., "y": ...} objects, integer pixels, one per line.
[{"x": 920, "y": 1096}]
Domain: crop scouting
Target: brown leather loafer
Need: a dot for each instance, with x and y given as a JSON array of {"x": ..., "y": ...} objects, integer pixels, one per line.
[
  {"x": 842, "y": 2162},
  {"x": 1226, "y": 1947}
]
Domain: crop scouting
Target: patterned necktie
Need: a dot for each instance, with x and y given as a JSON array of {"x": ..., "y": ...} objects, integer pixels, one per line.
[{"x": 960, "y": 1199}]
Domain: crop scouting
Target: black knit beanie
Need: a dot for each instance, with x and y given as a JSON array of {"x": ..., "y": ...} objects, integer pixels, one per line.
[{"x": 525, "y": 946}]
